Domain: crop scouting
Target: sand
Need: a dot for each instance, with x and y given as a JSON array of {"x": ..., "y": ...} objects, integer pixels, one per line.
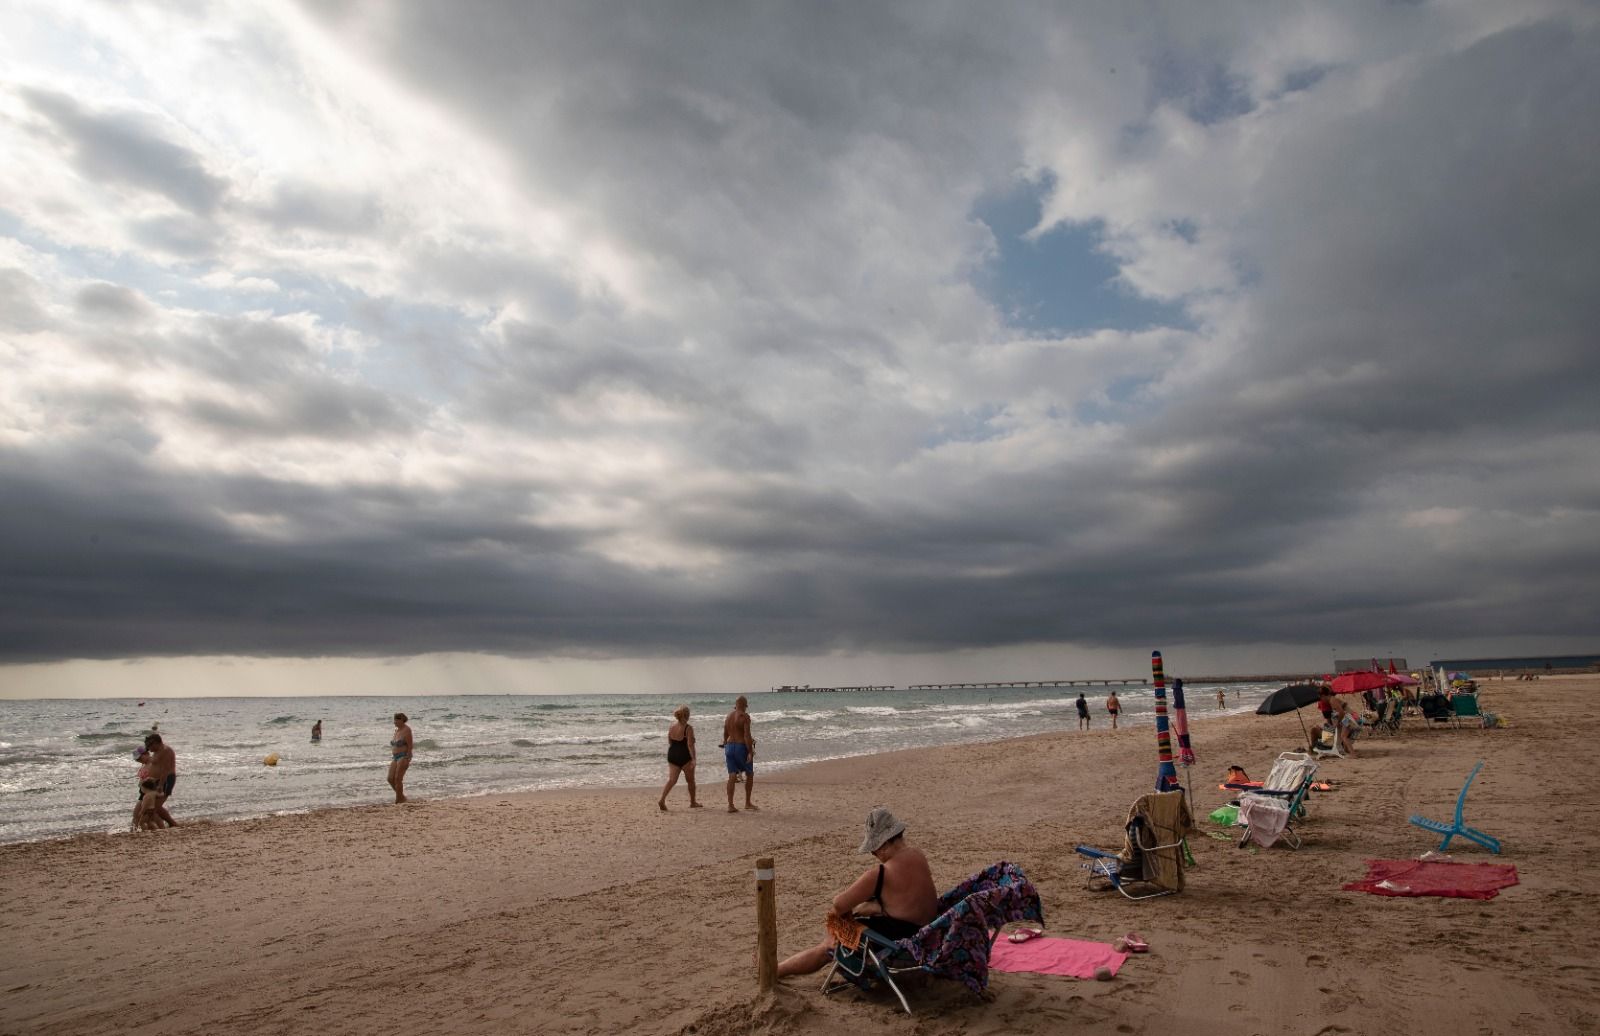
[{"x": 594, "y": 913}]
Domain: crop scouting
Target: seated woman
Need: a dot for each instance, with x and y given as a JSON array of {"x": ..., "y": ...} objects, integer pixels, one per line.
[
  {"x": 895, "y": 899},
  {"x": 1346, "y": 727}
]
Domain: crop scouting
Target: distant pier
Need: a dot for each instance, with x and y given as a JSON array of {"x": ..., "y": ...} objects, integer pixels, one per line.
[
  {"x": 980, "y": 685},
  {"x": 1134, "y": 682}
]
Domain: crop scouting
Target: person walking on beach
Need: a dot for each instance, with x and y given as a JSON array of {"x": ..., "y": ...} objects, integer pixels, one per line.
[
  {"x": 680, "y": 756},
  {"x": 1114, "y": 707},
  {"x": 1083, "y": 711},
  {"x": 738, "y": 750},
  {"x": 400, "y": 756},
  {"x": 163, "y": 762}
]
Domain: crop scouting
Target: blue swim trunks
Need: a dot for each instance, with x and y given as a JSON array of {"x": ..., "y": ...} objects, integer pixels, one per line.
[{"x": 737, "y": 753}]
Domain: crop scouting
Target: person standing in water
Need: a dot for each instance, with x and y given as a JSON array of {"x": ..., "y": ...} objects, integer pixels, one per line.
[
  {"x": 1114, "y": 707},
  {"x": 680, "y": 756},
  {"x": 738, "y": 749},
  {"x": 316, "y": 731},
  {"x": 1222, "y": 698},
  {"x": 1083, "y": 711},
  {"x": 400, "y": 756}
]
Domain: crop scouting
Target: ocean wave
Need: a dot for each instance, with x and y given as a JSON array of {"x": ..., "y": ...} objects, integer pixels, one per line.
[
  {"x": 230, "y": 746},
  {"x": 282, "y": 721},
  {"x": 108, "y": 737},
  {"x": 522, "y": 742},
  {"x": 425, "y": 744},
  {"x": 872, "y": 710},
  {"x": 30, "y": 758}
]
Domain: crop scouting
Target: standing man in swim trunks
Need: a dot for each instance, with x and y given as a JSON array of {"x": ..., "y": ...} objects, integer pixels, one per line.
[
  {"x": 738, "y": 748},
  {"x": 164, "y": 771},
  {"x": 1114, "y": 707},
  {"x": 1083, "y": 711}
]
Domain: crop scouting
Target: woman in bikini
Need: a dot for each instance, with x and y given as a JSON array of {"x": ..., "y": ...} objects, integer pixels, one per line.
[
  {"x": 680, "y": 756},
  {"x": 399, "y": 756},
  {"x": 896, "y": 898}
]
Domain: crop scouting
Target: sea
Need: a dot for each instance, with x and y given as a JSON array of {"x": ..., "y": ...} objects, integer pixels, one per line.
[{"x": 67, "y": 765}]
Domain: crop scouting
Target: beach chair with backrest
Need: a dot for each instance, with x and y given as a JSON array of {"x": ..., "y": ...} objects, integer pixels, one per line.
[
  {"x": 1436, "y": 708},
  {"x": 1466, "y": 706},
  {"x": 1326, "y": 745},
  {"x": 1152, "y": 858},
  {"x": 955, "y": 944},
  {"x": 1283, "y": 792},
  {"x": 1458, "y": 826}
]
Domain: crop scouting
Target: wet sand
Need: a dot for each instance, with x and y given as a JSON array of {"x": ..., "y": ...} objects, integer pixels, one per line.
[{"x": 591, "y": 912}]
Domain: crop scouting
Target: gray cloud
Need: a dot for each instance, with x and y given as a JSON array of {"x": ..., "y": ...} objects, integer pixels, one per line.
[
  {"x": 793, "y": 423},
  {"x": 132, "y": 149}
]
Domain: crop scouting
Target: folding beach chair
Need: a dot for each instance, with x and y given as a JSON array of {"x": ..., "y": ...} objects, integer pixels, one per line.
[
  {"x": 1152, "y": 859},
  {"x": 1436, "y": 708},
  {"x": 1327, "y": 744},
  {"x": 1282, "y": 793},
  {"x": 1466, "y": 706},
  {"x": 1459, "y": 826},
  {"x": 955, "y": 944}
]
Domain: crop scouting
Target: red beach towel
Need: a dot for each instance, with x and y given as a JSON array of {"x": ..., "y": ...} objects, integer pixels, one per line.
[
  {"x": 1435, "y": 878},
  {"x": 1048, "y": 956}
]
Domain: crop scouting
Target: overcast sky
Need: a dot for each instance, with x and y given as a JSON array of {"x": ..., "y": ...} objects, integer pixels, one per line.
[{"x": 605, "y": 346}]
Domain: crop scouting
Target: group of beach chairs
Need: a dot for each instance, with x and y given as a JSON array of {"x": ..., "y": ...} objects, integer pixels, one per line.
[{"x": 1151, "y": 863}]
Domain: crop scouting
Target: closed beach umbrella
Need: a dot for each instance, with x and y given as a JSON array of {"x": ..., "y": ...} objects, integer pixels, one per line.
[
  {"x": 1292, "y": 698},
  {"x": 1166, "y": 773},
  {"x": 1180, "y": 721}
]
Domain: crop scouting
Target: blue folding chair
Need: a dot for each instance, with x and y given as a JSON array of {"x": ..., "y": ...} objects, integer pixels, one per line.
[{"x": 1459, "y": 827}]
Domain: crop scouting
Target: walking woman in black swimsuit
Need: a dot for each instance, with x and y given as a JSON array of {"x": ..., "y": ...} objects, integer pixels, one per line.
[{"x": 680, "y": 756}]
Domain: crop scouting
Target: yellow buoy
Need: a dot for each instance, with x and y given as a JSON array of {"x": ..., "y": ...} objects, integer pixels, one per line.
[{"x": 271, "y": 760}]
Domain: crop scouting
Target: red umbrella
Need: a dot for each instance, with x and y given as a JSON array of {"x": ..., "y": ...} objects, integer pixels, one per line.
[
  {"x": 1361, "y": 680},
  {"x": 1401, "y": 680}
]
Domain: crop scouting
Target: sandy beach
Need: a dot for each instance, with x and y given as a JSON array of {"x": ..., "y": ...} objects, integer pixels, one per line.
[{"x": 593, "y": 913}]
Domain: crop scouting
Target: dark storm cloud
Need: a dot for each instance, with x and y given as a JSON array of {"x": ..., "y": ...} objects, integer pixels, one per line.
[
  {"x": 1377, "y": 424},
  {"x": 131, "y": 149}
]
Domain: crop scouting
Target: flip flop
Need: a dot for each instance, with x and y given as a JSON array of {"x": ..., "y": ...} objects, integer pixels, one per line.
[
  {"x": 1024, "y": 934},
  {"x": 1135, "y": 944}
]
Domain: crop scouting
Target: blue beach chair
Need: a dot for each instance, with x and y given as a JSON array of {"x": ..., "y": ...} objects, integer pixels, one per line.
[
  {"x": 1459, "y": 827},
  {"x": 955, "y": 944}
]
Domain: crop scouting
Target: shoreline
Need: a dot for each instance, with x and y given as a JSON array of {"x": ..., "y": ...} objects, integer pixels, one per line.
[
  {"x": 586, "y": 910},
  {"x": 417, "y": 781}
]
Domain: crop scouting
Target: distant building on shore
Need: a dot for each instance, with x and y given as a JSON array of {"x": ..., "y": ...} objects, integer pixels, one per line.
[{"x": 1536, "y": 664}]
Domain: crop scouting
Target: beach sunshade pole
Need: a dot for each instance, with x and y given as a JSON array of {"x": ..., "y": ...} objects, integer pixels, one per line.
[{"x": 1166, "y": 773}]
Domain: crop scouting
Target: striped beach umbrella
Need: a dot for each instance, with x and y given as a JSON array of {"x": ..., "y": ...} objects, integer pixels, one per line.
[
  {"x": 1180, "y": 722},
  {"x": 1166, "y": 773}
]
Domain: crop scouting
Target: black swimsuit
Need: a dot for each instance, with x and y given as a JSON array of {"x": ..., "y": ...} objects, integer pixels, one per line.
[
  {"x": 886, "y": 926},
  {"x": 678, "y": 751}
]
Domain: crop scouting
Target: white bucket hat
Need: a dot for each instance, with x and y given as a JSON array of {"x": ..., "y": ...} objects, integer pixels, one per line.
[{"x": 882, "y": 825}]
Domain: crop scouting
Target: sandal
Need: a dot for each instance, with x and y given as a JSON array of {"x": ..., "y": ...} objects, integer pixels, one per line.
[
  {"x": 1024, "y": 934},
  {"x": 1135, "y": 944}
]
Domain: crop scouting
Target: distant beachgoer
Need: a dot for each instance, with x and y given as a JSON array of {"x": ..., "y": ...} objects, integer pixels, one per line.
[
  {"x": 164, "y": 772},
  {"x": 400, "y": 756},
  {"x": 316, "y": 731},
  {"x": 738, "y": 750},
  {"x": 680, "y": 756},
  {"x": 896, "y": 898},
  {"x": 1114, "y": 707},
  {"x": 1083, "y": 711},
  {"x": 1325, "y": 703},
  {"x": 1345, "y": 727},
  {"x": 1222, "y": 698}
]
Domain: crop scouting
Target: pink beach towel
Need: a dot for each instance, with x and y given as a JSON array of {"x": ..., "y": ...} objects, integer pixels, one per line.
[
  {"x": 1047, "y": 956},
  {"x": 1435, "y": 878}
]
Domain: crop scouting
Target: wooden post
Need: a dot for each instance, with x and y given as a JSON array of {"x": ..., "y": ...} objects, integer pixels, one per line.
[{"x": 766, "y": 925}]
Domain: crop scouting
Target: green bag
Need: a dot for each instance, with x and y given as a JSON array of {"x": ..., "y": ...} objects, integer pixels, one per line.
[{"x": 1227, "y": 816}]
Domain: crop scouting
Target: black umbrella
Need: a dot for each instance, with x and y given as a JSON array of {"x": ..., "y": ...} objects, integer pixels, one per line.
[{"x": 1292, "y": 698}]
